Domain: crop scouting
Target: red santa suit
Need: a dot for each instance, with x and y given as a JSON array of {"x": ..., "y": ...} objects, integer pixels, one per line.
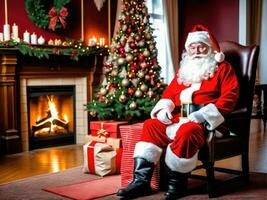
[{"x": 183, "y": 138}]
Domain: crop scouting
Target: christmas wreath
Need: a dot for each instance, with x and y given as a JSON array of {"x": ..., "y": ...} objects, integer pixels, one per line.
[{"x": 47, "y": 15}]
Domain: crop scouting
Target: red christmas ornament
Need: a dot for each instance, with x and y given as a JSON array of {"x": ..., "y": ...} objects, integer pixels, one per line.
[
  {"x": 141, "y": 57},
  {"x": 121, "y": 49},
  {"x": 132, "y": 45},
  {"x": 129, "y": 30},
  {"x": 138, "y": 37},
  {"x": 108, "y": 65},
  {"x": 131, "y": 75},
  {"x": 127, "y": 18},
  {"x": 130, "y": 91},
  {"x": 133, "y": 66}
]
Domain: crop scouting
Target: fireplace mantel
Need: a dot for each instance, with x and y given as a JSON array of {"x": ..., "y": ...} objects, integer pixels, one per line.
[{"x": 15, "y": 66}]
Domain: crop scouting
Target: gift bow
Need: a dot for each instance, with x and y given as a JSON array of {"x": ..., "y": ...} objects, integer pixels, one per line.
[
  {"x": 102, "y": 131},
  {"x": 54, "y": 17}
]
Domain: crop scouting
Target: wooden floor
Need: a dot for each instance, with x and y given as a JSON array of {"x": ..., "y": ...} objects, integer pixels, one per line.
[{"x": 22, "y": 165}]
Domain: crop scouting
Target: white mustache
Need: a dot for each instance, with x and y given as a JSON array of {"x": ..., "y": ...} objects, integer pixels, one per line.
[{"x": 198, "y": 56}]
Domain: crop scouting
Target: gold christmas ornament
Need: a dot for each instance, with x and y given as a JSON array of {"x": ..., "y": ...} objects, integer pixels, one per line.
[
  {"x": 148, "y": 36},
  {"x": 144, "y": 87},
  {"x": 135, "y": 82},
  {"x": 122, "y": 98},
  {"x": 133, "y": 106},
  {"x": 138, "y": 93},
  {"x": 93, "y": 113},
  {"x": 129, "y": 57},
  {"x": 103, "y": 91},
  {"x": 146, "y": 53},
  {"x": 124, "y": 27},
  {"x": 141, "y": 43},
  {"x": 121, "y": 61},
  {"x": 114, "y": 72},
  {"x": 151, "y": 47},
  {"x": 141, "y": 74},
  {"x": 125, "y": 82}
]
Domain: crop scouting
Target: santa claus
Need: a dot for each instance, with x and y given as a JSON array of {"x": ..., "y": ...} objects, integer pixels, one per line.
[{"x": 203, "y": 91}]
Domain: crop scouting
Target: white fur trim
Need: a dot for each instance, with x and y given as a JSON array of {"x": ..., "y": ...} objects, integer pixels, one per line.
[
  {"x": 186, "y": 94},
  {"x": 219, "y": 56},
  {"x": 182, "y": 165},
  {"x": 162, "y": 103},
  {"x": 173, "y": 128},
  {"x": 148, "y": 151},
  {"x": 198, "y": 36},
  {"x": 212, "y": 115}
]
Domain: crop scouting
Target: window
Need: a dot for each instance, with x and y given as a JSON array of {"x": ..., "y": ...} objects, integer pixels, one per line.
[{"x": 155, "y": 10}]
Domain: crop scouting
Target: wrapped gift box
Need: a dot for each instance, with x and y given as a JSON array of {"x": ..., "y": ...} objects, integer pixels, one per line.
[
  {"x": 131, "y": 134},
  {"x": 114, "y": 142},
  {"x": 101, "y": 158},
  {"x": 106, "y": 128}
]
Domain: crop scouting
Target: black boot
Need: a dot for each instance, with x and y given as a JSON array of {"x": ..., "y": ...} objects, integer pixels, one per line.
[
  {"x": 177, "y": 185},
  {"x": 140, "y": 186}
]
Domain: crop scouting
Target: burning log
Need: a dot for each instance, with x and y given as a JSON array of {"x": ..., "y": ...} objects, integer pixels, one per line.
[
  {"x": 49, "y": 115},
  {"x": 61, "y": 123},
  {"x": 40, "y": 126},
  {"x": 51, "y": 123}
]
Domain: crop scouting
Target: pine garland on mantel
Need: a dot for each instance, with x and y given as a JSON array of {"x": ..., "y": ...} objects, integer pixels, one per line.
[{"x": 74, "y": 49}]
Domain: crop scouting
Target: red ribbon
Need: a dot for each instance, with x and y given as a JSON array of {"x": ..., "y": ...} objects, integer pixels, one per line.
[
  {"x": 91, "y": 157},
  {"x": 54, "y": 17}
]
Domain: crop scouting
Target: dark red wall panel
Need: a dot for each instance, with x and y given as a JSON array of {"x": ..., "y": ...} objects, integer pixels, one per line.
[
  {"x": 95, "y": 23},
  {"x": 220, "y": 17}
]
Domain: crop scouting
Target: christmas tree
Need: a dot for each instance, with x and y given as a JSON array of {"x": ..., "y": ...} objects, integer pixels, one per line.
[{"x": 132, "y": 84}]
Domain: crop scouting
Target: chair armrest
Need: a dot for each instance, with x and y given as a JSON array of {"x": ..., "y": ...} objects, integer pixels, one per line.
[{"x": 236, "y": 114}]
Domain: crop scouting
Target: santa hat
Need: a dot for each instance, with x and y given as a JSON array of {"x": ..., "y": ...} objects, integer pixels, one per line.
[{"x": 201, "y": 34}]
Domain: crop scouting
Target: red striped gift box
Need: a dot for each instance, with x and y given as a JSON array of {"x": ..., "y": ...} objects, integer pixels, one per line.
[{"x": 131, "y": 134}]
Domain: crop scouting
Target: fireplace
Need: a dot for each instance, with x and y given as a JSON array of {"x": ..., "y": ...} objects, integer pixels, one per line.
[
  {"x": 51, "y": 114},
  {"x": 22, "y": 90}
]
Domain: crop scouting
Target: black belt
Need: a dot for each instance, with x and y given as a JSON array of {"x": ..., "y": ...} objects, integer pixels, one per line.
[{"x": 187, "y": 108}]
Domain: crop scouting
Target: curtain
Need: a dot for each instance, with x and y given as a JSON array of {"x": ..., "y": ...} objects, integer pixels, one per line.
[
  {"x": 170, "y": 10},
  {"x": 255, "y": 25},
  {"x": 118, "y": 13}
]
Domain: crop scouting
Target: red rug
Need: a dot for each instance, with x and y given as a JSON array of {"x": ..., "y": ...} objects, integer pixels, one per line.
[{"x": 89, "y": 190}]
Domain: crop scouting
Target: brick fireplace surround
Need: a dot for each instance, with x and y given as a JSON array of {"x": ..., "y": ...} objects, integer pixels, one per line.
[{"x": 19, "y": 71}]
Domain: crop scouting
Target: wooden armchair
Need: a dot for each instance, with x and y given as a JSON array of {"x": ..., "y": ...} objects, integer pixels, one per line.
[{"x": 244, "y": 61}]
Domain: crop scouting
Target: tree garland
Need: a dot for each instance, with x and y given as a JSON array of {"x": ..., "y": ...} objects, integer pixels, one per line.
[{"x": 44, "y": 16}]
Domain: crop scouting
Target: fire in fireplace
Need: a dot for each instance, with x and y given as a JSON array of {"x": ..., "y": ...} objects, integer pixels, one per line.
[{"x": 51, "y": 116}]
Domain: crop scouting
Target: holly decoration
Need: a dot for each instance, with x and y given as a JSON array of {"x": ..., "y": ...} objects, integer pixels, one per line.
[
  {"x": 132, "y": 84},
  {"x": 48, "y": 16}
]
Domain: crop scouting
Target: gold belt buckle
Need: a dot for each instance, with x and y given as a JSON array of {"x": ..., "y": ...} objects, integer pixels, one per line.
[{"x": 187, "y": 111}]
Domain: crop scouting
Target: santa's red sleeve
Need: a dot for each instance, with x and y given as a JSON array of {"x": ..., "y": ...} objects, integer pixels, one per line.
[
  {"x": 229, "y": 89},
  {"x": 214, "y": 113}
]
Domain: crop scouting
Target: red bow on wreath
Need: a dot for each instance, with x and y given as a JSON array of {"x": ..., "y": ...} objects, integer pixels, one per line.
[{"x": 54, "y": 17}]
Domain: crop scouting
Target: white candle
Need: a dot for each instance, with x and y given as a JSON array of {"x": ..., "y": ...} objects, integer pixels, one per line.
[
  {"x": 6, "y": 16},
  {"x": 6, "y": 32},
  {"x": 92, "y": 41},
  {"x": 41, "y": 40},
  {"x": 15, "y": 32},
  {"x": 26, "y": 37},
  {"x": 1, "y": 37},
  {"x": 33, "y": 38}
]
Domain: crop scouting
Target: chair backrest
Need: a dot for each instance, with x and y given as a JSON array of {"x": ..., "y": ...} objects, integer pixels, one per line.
[{"x": 244, "y": 61}]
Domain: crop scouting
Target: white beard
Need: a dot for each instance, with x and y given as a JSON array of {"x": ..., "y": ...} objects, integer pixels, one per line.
[{"x": 196, "y": 69}]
